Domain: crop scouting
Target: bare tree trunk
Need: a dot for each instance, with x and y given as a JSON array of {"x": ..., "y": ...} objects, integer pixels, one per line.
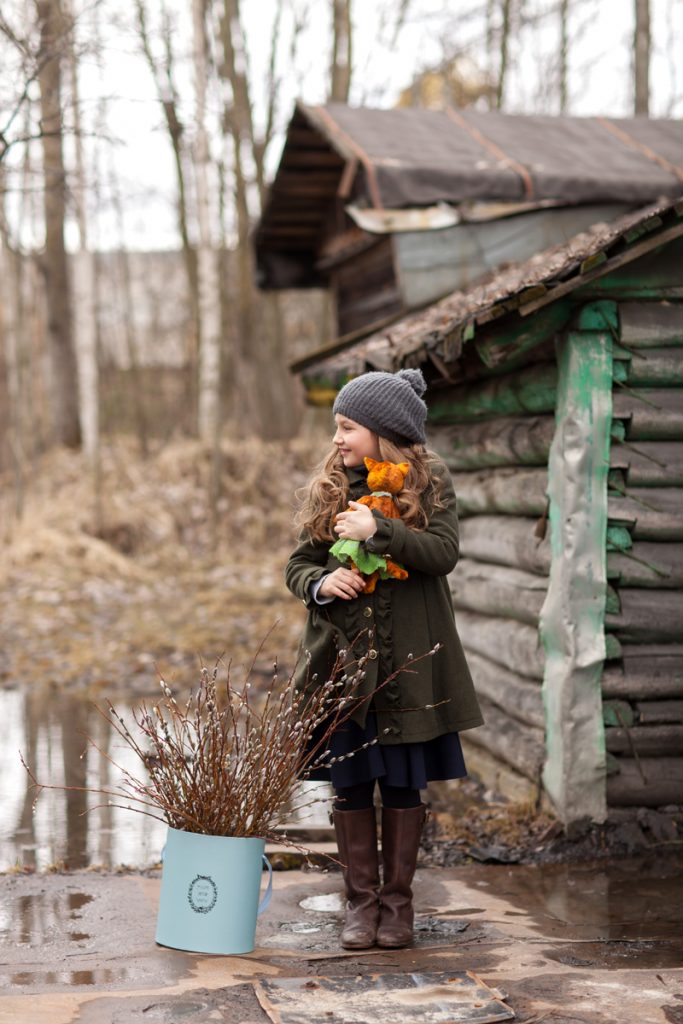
[
  {"x": 641, "y": 57},
  {"x": 342, "y": 41},
  {"x": 54, "y": 264},
  {"x": 85, "y": 313},
  {"x": 10, "y": 287},
  {"x": 504, "y": 52},
  {"x": 564, "y": 56},
  {"x": 266, "y": 389},
  {"x": 207, "y": 262},
  {"x": 168, "y": 97},
  {"x": 128, "y": 324}
]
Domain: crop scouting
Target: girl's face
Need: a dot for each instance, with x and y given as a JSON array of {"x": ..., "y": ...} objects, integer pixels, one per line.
[{"x": 354, "y": 441}]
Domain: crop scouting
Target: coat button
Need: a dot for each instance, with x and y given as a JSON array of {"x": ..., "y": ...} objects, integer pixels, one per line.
[
  {"x": 372, "y": 654},
  {"x": 367, "y": 612}
]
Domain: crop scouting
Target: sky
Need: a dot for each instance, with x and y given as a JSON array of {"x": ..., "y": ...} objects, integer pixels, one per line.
[{"x": 117, "y": 87}]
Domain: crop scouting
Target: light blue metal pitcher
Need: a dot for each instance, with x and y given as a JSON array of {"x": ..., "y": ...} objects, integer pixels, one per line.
[{"x": 210, "y": 892}]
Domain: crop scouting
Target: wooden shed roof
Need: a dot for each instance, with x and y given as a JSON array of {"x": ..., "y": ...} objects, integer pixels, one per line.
[
  {"x": 438, "y": 332},
  {"x": 412, "y": 157}
]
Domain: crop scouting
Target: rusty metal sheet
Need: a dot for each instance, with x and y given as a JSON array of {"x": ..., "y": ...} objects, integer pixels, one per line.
[{"x": 457, "y": 997}]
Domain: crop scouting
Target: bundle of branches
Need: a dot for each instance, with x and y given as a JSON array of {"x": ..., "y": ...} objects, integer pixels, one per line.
[{"x": 228, "y": 762}]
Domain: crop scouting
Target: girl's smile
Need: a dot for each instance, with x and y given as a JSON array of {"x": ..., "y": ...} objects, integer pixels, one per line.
[{"x": 354, "y": 441}]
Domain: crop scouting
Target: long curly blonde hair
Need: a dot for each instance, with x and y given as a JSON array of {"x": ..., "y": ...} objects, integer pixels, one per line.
[{"x": 326, "y": 493}]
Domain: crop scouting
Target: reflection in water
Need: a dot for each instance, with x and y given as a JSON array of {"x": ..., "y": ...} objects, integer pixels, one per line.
[{"x": 70, "y": 828}]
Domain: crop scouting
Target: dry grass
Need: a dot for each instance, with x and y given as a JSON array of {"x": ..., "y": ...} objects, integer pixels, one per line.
[{"x": 97, "y": 602}]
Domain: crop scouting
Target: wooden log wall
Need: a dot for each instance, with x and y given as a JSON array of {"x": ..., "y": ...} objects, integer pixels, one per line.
[
  {"x": 643, "y": 686},
  {"x": 495, "y": 435}
]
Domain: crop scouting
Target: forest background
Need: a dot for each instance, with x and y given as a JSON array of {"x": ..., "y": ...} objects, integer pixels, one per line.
[{"x": 151, "y": 435}]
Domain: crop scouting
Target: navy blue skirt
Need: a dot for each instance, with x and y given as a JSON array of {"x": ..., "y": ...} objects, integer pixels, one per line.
[{"x": 408, "y": 765}]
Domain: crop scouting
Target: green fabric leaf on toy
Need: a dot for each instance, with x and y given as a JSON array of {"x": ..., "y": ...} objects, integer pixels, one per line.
[{"x": 353, "y": 551}]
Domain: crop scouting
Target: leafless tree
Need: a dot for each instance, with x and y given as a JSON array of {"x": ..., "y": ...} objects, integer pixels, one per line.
[
  {"x": 54, "y": 31},
  {"x": 342, "y": 49},
  {"x": 641, "y": 57},
  {"x": 162, "y": 70}
]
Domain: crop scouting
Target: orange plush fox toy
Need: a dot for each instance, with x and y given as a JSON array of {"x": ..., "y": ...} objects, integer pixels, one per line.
[{"x": 385, "y": 479}]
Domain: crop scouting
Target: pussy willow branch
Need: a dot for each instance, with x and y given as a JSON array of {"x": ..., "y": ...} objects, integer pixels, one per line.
[{"x": 229, "y": 761}]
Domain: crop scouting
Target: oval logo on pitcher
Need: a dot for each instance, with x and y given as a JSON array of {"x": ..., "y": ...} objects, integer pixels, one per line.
[{"x": 202, "y": 894}]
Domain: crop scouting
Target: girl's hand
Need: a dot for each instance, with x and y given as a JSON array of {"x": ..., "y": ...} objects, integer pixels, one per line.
[
  {"x": 344, "y": 583},
  {"x": 357, "y": 523}
]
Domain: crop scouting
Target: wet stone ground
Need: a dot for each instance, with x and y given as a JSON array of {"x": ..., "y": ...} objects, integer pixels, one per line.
[{"x": 595, "y": 943}]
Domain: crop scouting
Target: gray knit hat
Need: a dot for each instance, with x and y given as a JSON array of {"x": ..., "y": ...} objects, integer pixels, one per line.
[{"x": 389, "y": 404}]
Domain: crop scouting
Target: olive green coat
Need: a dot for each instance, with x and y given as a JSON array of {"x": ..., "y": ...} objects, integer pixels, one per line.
[{"x": 407, "y": 618}]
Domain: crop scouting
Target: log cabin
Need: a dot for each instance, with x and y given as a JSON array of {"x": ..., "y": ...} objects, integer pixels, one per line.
[{"x": 555, "y": 393}]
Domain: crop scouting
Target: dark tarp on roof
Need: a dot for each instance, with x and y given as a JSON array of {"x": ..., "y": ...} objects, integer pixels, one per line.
[{"x": 422, "y": 157}]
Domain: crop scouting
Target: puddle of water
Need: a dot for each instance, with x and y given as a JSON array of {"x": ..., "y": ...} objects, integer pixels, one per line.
[
  {"x": 638, "y": 899},
  {"x": 35, "y": 920},
  {"x": 100, "y": 976},
  {"x": 70, "y": 828}
]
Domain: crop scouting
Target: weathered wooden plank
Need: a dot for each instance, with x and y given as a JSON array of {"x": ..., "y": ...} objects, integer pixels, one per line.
[
  {"x": 647, "y": 564},
  {"x": 646, "y": 672},
  {"x": 501, "y": 344},
  {"x": 505, "y": 540},
  {"x": 512, "y": 644},
  {"x": 521, "y": 745},
  {"x": 662, "y": 783},
  {"x": 653, "y": 414},
  {"x": 649, "y": 463},
  {"x": 531, "y": 390},
  {"x": 655, "y": 368},
  {"x": 647, "y": 616},
  {"x": 498, "y": 590},
  {"x": 510, "y": 490},
  {"x": 504, "y": 441},
  {"x": 651, "y": 712},
  {"x": 651, "y": 324},
  {"x": 648, "y": 740},
  {"x": 516, "y": 695},
  {"x": 497, "y": 775},
  {"x": 650, "y": 513}
]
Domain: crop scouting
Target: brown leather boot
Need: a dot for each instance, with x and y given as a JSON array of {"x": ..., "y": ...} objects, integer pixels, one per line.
[
  {"x": 357, "y": 839},
  {"x": 401, "y": 831}
]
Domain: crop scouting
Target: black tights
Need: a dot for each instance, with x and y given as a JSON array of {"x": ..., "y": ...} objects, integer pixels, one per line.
[{"x": 359, "y": 797}]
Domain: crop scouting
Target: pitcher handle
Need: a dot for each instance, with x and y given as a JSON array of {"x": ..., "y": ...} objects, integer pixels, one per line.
[{"x": 267, "y": 896}]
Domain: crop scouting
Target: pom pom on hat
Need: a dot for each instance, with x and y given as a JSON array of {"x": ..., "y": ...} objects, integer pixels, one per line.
[{"x": 389, "y": 404}]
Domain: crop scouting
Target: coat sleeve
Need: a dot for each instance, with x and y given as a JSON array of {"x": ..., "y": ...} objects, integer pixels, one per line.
[
  {"x": 433, "y": 551},
  {"x": 307, "y": 563}
]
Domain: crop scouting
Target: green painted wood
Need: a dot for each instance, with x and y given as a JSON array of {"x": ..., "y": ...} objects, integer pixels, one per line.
[
  {"x": 531, "y": 390},
  {"x": 617, "y": 713},
  {"x": 602, "y": 315},
  {"x": 572, "y": 619},
  {"x": 618, "y": 538},
  {"x": 498, "y": 345},
  {"x": 655, "y": 275}
]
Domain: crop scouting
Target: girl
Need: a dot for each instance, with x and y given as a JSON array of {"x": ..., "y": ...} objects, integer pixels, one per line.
[{"x": 416, "y": 717}]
